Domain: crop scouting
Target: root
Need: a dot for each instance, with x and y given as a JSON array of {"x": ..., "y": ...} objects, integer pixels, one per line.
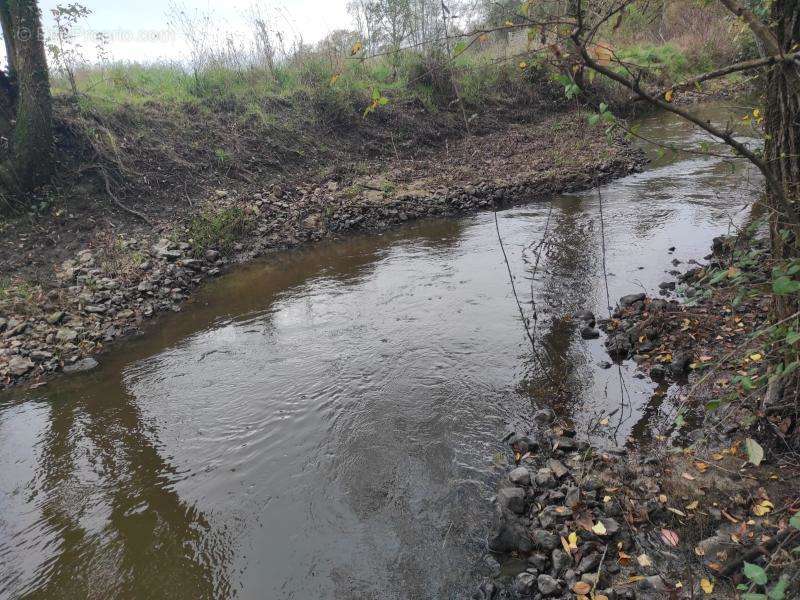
[{"x": 116, "y": 200}]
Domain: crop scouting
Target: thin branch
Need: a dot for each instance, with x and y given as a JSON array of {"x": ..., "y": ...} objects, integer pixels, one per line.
[
  {"x": 116, "y": 200},
  {"x": 761, "y": 31}
]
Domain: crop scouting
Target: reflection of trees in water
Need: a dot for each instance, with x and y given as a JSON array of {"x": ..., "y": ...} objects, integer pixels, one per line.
[
  {"x": 121, "y": 530},
  {"x": 564, "y": 285}
]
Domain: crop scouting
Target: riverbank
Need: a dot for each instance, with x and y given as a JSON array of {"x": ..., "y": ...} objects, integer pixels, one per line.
[
  {"x": 66, "y": 302},
  {"x": 708, "y": 507}
]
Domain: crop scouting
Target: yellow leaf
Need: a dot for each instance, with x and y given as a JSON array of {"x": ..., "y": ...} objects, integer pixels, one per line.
[
  {"x": 756, "y": 357},
  {"x": 693, "y": 505},
  {"x": 572, "y": 538},
  {"x": 509, "y": 23},
  {"x": 707, "y": 586},
  {"x": 357, "y": 47},
  {"x": 606, "y": 499},
  {"x": 335, "y": 78},
  {"x": 599, "y": 528},
  {"x": 668, "y": 96},
  {"x": 762, "y": 508},
  {"x": 523, "y": 65},
  {"x": 604, "y": 422}
]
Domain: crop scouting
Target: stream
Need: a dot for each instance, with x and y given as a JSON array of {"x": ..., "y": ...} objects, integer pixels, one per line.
[{"x": 324, "y": 423}]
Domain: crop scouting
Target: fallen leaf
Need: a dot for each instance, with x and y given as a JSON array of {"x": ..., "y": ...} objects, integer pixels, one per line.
[
  {"x": 688, "y": 477},
  {"x": 762, "y": 508},
  {"x": 599, "y": 528},
  {"x": 706, "y": 585},
  {"x": 676, "y": 511},
  {"x": 581, "y": 587},
  {"x": 701, "y": 466},
  {"x": 755, "y": 453},
  {"x": 644, "y": 560},
  {"x": 693, "y": 505},
  {"x": 670, "y": 537}
]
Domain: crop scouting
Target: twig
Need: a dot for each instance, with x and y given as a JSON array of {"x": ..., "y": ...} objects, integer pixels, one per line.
[{"x": 116, "y": 200}]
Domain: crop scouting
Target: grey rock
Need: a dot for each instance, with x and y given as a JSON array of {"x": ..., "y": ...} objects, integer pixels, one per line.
[
  {"x": 525, "y": 584},
  {"x": 66, "y": 335},
  {"x": 545, "y": 540},
  {"x": 86, "y": 364},
  {"x": 211, "y": 255},
  {"x": 520, "y": 476},
  {"x": 548, "y": 585},
  {"x": 573, "y": 497},
  {"x": 630, "y": 299},
  {"x": 680, "y": 364},
  {"x": 544, "y": 416},
  {"x": 512, "y": 498},
  {"x": 561, "y": 561},
  {"x": 510, "y": 536},
  {"x": 19, "y": 366},
  {"x": 586, "y": 316},
  {"x": 653, "y": 583},
  {"x": 589, "y": 563},
  {"x": 538, "y": 560},
  {"x": 56, "y": 317},
  {"x": 589, "y": 333},
  {"x": 96, "y": 309},
  {"x": 544, "y": 478},
  {"x": 557, "y": 467}
]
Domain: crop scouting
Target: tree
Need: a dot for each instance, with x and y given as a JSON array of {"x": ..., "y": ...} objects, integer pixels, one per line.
[{"x": 25, "y": 101}]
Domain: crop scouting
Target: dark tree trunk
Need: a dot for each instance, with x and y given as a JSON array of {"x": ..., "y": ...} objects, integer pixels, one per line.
[
  {"x": 782, "y": 155},
  {"x": 32, "y": 140},
  {"x": 782, "y": 145}
]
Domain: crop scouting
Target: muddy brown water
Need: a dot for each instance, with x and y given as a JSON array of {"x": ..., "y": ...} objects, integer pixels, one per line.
[{"x": 324, "y": 423}]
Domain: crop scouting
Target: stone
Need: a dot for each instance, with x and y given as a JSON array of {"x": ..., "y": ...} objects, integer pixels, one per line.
[
  {"x": 611, "y": 525},
  {"x": 520, "y": 476},
  {"x": 545, "y": 540},
  {"x": 680, "y": 363},
  {"x": 587, "y": 316},
  {"x": 41, "y": 355},
  {"x": 548, "y": 585},
  {"x": 525, "y": 584},
  {"x": 96, "y": 308},
  {"x": 630, "y": 299},
  {"x": 66, "y": 335},
  {"x": 557, "y": 467},
  {"x": 510, "y": 536},
  {"x": 653, "y": 583},
  {"x": 573, "y": 497},
  {"x": 544, "y": 416},
  {"x": 544, "y": 478},
  {"x": 658, "y": 372},
  {"x": 211, "y": 255},
  {"x": 667, "y": 285},
  {"x": 589, "y": 333},
  {"x": 589, "y": 564},
  {"x": 19, "y": 366},
  {"x": 561, "y": 561},
  {"x": 86, "y": 364},
  {"x": 512, "y": 498},
  {"x": 56, "y": 317},
  {"x": 538, "y": 561}
]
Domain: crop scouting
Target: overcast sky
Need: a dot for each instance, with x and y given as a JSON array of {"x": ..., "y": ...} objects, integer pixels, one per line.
[{"x": 139, "y": 29}]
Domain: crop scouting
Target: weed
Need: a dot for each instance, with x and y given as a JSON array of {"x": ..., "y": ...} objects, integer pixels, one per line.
[{"x": 217, "y": 228}]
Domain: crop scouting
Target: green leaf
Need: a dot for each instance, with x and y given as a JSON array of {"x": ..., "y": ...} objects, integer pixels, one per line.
[
  {"x": 376, "y": 95},
  {"x": 754, "y": 596},
  {"x": 719, "y": 276},
  {"x": 778, "y": 592},
  {"x": 680, "y": 421},
  {"x": 593, "y": 119},
  {"x": 603, "y": 107},
  {"x": 795, "y": 521},
  {"x": 792, "y": 337},
  {"x": 755, "y": 453},
  {"x": 784, "y": 286},
  {"x": 755, "y": 573}
]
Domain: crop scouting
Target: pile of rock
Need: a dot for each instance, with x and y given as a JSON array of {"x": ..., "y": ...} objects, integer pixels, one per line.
[{"x": 560, "y": 510}]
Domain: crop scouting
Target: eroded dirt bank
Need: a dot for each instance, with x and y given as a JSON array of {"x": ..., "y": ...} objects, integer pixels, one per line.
[{"x": 67, "y": 296}]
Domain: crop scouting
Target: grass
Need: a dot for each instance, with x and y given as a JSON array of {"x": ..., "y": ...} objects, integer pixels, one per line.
[{"x": 217, "y": 228}]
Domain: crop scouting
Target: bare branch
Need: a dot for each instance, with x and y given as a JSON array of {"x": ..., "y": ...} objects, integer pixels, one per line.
[{"x": 760, "y": 30}]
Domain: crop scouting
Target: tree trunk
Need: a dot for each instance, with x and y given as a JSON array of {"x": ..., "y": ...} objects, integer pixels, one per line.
[
  {"x": 782, "y": 155},
  {"x": 32, "y": 139}
]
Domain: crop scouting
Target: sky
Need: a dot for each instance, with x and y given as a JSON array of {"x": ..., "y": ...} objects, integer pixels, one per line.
[{"x": 139, "y": 30}]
